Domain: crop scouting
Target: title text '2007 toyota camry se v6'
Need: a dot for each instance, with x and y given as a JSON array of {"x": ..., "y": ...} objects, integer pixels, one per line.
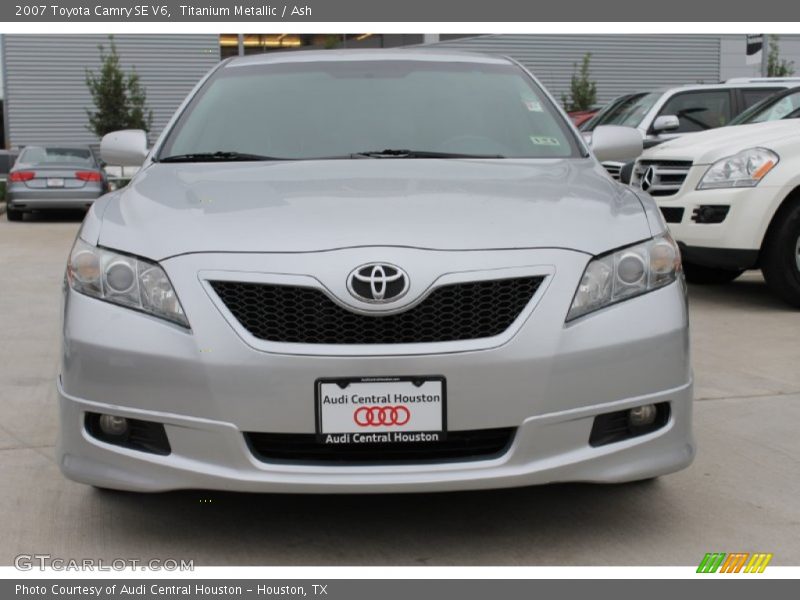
[{"x": 372, "y": 271}]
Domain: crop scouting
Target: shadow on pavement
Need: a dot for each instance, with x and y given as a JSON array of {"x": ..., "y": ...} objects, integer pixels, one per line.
[
  {"x": 456, "y": 528},
  {"x": 749, "y": 292}
]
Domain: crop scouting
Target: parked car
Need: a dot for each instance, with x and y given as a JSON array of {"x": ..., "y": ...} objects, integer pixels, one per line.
[
  {"x": 53, "y": 177},
  {"x": 732, "y": 196},
  {"x": 579, "y": 117},
  {"x": 669, "y": 113},
  {"x": 372, "y": 271}
]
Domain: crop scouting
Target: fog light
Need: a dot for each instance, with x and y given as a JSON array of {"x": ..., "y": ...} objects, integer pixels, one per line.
[
  {"x": 641, "y": 416},
  {"x": 113, "y": 425}
]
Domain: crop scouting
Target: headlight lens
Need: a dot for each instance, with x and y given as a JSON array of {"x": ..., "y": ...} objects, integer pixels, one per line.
[
  {"x": 744, "y": 169},
  {"x": 124, "y": 280},
  {"x": 626, "y": 273}
]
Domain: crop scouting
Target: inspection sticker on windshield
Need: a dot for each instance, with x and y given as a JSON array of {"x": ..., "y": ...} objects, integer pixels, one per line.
[
  {"x": 380, "y": 410},
  {"x": 533, "y": 105},
  {"x": 540, "y": 140}
]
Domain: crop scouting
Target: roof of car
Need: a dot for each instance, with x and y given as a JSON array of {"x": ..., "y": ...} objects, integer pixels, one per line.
[{"x": 417, "y": 54}]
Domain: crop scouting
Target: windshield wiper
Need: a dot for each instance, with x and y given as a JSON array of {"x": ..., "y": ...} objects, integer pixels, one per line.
[
  {"x": 401, "y": 153},
  {"x": 219, "y": 156}
]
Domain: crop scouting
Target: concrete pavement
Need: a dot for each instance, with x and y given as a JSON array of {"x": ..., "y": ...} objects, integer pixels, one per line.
[{"x": 741, "y": 494}]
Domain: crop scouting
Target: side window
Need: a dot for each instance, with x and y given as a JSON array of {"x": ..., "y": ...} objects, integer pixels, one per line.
[
  {"x": 699, "y": 111},
  {"x": 751, "y": 96}
]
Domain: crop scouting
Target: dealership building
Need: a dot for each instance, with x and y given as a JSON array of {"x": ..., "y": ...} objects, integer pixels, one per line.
[{"x": 46, "y": 97}]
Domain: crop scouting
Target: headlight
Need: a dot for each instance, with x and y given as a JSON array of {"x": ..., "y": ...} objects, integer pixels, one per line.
[
  {"x": 626, "y": 273},
  {"x": 744, "y": 169},
  {"x": 124, "y": 280}
]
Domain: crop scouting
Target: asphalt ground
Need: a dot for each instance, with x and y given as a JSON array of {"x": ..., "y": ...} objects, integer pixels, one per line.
[{"x": 740, "y": 495}]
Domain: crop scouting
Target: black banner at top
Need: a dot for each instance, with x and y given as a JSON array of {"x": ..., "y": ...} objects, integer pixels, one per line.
[{"x": 442, "y": 11}]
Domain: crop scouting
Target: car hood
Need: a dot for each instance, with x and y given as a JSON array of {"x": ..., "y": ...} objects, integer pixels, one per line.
[
  {"x": 303, "y": 206},
  {"x": 707, "y": 147}
]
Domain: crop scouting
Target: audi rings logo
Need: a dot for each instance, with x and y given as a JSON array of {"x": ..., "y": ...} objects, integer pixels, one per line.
[
  {"x": 377, "y": 282},
  {"x": 376, "y": 416}
]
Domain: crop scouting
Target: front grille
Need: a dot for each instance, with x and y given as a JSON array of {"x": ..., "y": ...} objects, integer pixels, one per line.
[
  {"x": 614, "y": 169},
  {"x": 480, "y": 444},
  {"x": 666, "y": 178},
  {"x": 304, "y": 315}
]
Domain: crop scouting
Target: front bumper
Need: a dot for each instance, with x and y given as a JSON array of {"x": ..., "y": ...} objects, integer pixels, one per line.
[
  {"x": 735, "y": 242},
  {"x": 547, "y": 379}
]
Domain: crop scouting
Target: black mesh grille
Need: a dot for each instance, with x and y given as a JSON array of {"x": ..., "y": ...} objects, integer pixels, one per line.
[
  {"x": 480, "y": 444},
  {"x": 462, "y": 311}
]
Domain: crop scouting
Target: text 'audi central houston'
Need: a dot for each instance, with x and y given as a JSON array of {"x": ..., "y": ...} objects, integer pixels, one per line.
[{"x": 372, "y": 271}]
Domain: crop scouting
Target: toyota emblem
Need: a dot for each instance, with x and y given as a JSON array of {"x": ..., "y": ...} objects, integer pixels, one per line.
[
  {"x": 378, "y": 283},
  {"x": 376, "y": 416},
  {"x": 647, "y": 178}
]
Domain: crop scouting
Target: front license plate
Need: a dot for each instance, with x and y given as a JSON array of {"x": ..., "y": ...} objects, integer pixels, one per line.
[
  {"x": 381, "y": 410},
  {"x": 55, "y": 182}
]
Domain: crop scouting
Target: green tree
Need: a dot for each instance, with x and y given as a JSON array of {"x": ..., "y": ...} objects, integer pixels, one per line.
[
  {"x": 583, "y": 91},
  {"x": 776, "y": 66},
  {"x": 120, "y": 101}
]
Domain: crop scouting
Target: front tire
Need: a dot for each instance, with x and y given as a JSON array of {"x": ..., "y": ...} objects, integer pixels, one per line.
[
  {"x": 781, "y": 256},
  {"x": 709, "y": 275}
]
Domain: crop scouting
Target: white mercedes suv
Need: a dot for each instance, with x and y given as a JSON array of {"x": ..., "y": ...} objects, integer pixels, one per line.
[{"x": 731, "y": 196}]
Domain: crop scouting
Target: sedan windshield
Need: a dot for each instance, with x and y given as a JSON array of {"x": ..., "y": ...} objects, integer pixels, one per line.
[
  {"x": 771, "y": 109},
  {"x": 369, "y": 110},
  {"x": 628, "y": 112}
]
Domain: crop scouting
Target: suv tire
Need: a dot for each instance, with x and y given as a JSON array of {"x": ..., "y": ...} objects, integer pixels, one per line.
[
  {"x": 709, "y": 275},
  {"x": 781, "y": 255}
]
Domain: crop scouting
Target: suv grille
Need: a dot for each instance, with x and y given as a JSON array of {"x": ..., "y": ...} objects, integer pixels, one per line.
[
  {"x": 480, "y": 444},
  {"x": 614, "y": 169},
  {"x": 668, "y": 176},
  {"x": 304, "y": 315}
]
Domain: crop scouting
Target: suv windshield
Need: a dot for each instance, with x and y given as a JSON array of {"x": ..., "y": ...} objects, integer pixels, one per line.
[
  {"x": 771, "y": 109},
  {"x": 628, "y": 112},
  {"x": 365, "y": 109}
]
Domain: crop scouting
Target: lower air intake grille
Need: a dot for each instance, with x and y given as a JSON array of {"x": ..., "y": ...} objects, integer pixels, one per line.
[
  {"x": 481, "y": 444},
  {"x": 303, "y": 315}
]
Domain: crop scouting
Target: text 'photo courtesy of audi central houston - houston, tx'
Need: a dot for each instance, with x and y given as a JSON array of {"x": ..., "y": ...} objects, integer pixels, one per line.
[{"x": 372, "y": 271}]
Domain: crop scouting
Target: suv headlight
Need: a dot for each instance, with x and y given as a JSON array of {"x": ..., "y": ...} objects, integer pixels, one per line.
[
  {"x": 125, "y": 280},
  {"x": 626, "y": 273},
  {"x": 744, "y": 169}
]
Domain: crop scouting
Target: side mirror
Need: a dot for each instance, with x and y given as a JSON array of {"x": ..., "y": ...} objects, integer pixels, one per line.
[
  {"x": 612, "y": 142},
  {"x": 127, "y": 147},
  {"x": 666, "y": 123}
]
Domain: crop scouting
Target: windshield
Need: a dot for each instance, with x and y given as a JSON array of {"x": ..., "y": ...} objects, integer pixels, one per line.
[
  {"x": 771, "y": 109},
  {"x": 627, "y": 112},
  {"x": 41, "y": 155},
  {"x": 344, "y": 109}
]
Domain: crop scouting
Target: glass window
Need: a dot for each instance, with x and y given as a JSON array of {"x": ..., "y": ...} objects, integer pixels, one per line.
[
  {"x": 779, "y": 109},
  {"x": 37, "y": 155},
  {"x": 628, "y": 112},
  {"x": 754, "y": 96},
  {"x": 699, "y": 111},
  {"x": 323, "y": 109}
]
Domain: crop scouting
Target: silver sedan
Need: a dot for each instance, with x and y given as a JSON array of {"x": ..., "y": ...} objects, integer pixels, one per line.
[
  {"x": 372, "y": 271},
  {"x": 53, "y": 177}
]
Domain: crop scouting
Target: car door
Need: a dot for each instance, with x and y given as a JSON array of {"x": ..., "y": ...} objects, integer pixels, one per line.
[{"x": 697, "y": 110}]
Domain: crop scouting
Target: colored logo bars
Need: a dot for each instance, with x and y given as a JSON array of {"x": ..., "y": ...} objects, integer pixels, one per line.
[{"x": 736, "y": 562}]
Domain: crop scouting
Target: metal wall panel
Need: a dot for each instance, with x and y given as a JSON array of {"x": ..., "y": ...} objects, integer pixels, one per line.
[
  {"x": 620, "y": 63},
  {"x": 45, "y": 80}
]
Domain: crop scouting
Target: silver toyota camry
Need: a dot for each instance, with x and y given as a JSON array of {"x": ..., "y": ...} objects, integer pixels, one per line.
[{"x": 372, "y": 271}]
